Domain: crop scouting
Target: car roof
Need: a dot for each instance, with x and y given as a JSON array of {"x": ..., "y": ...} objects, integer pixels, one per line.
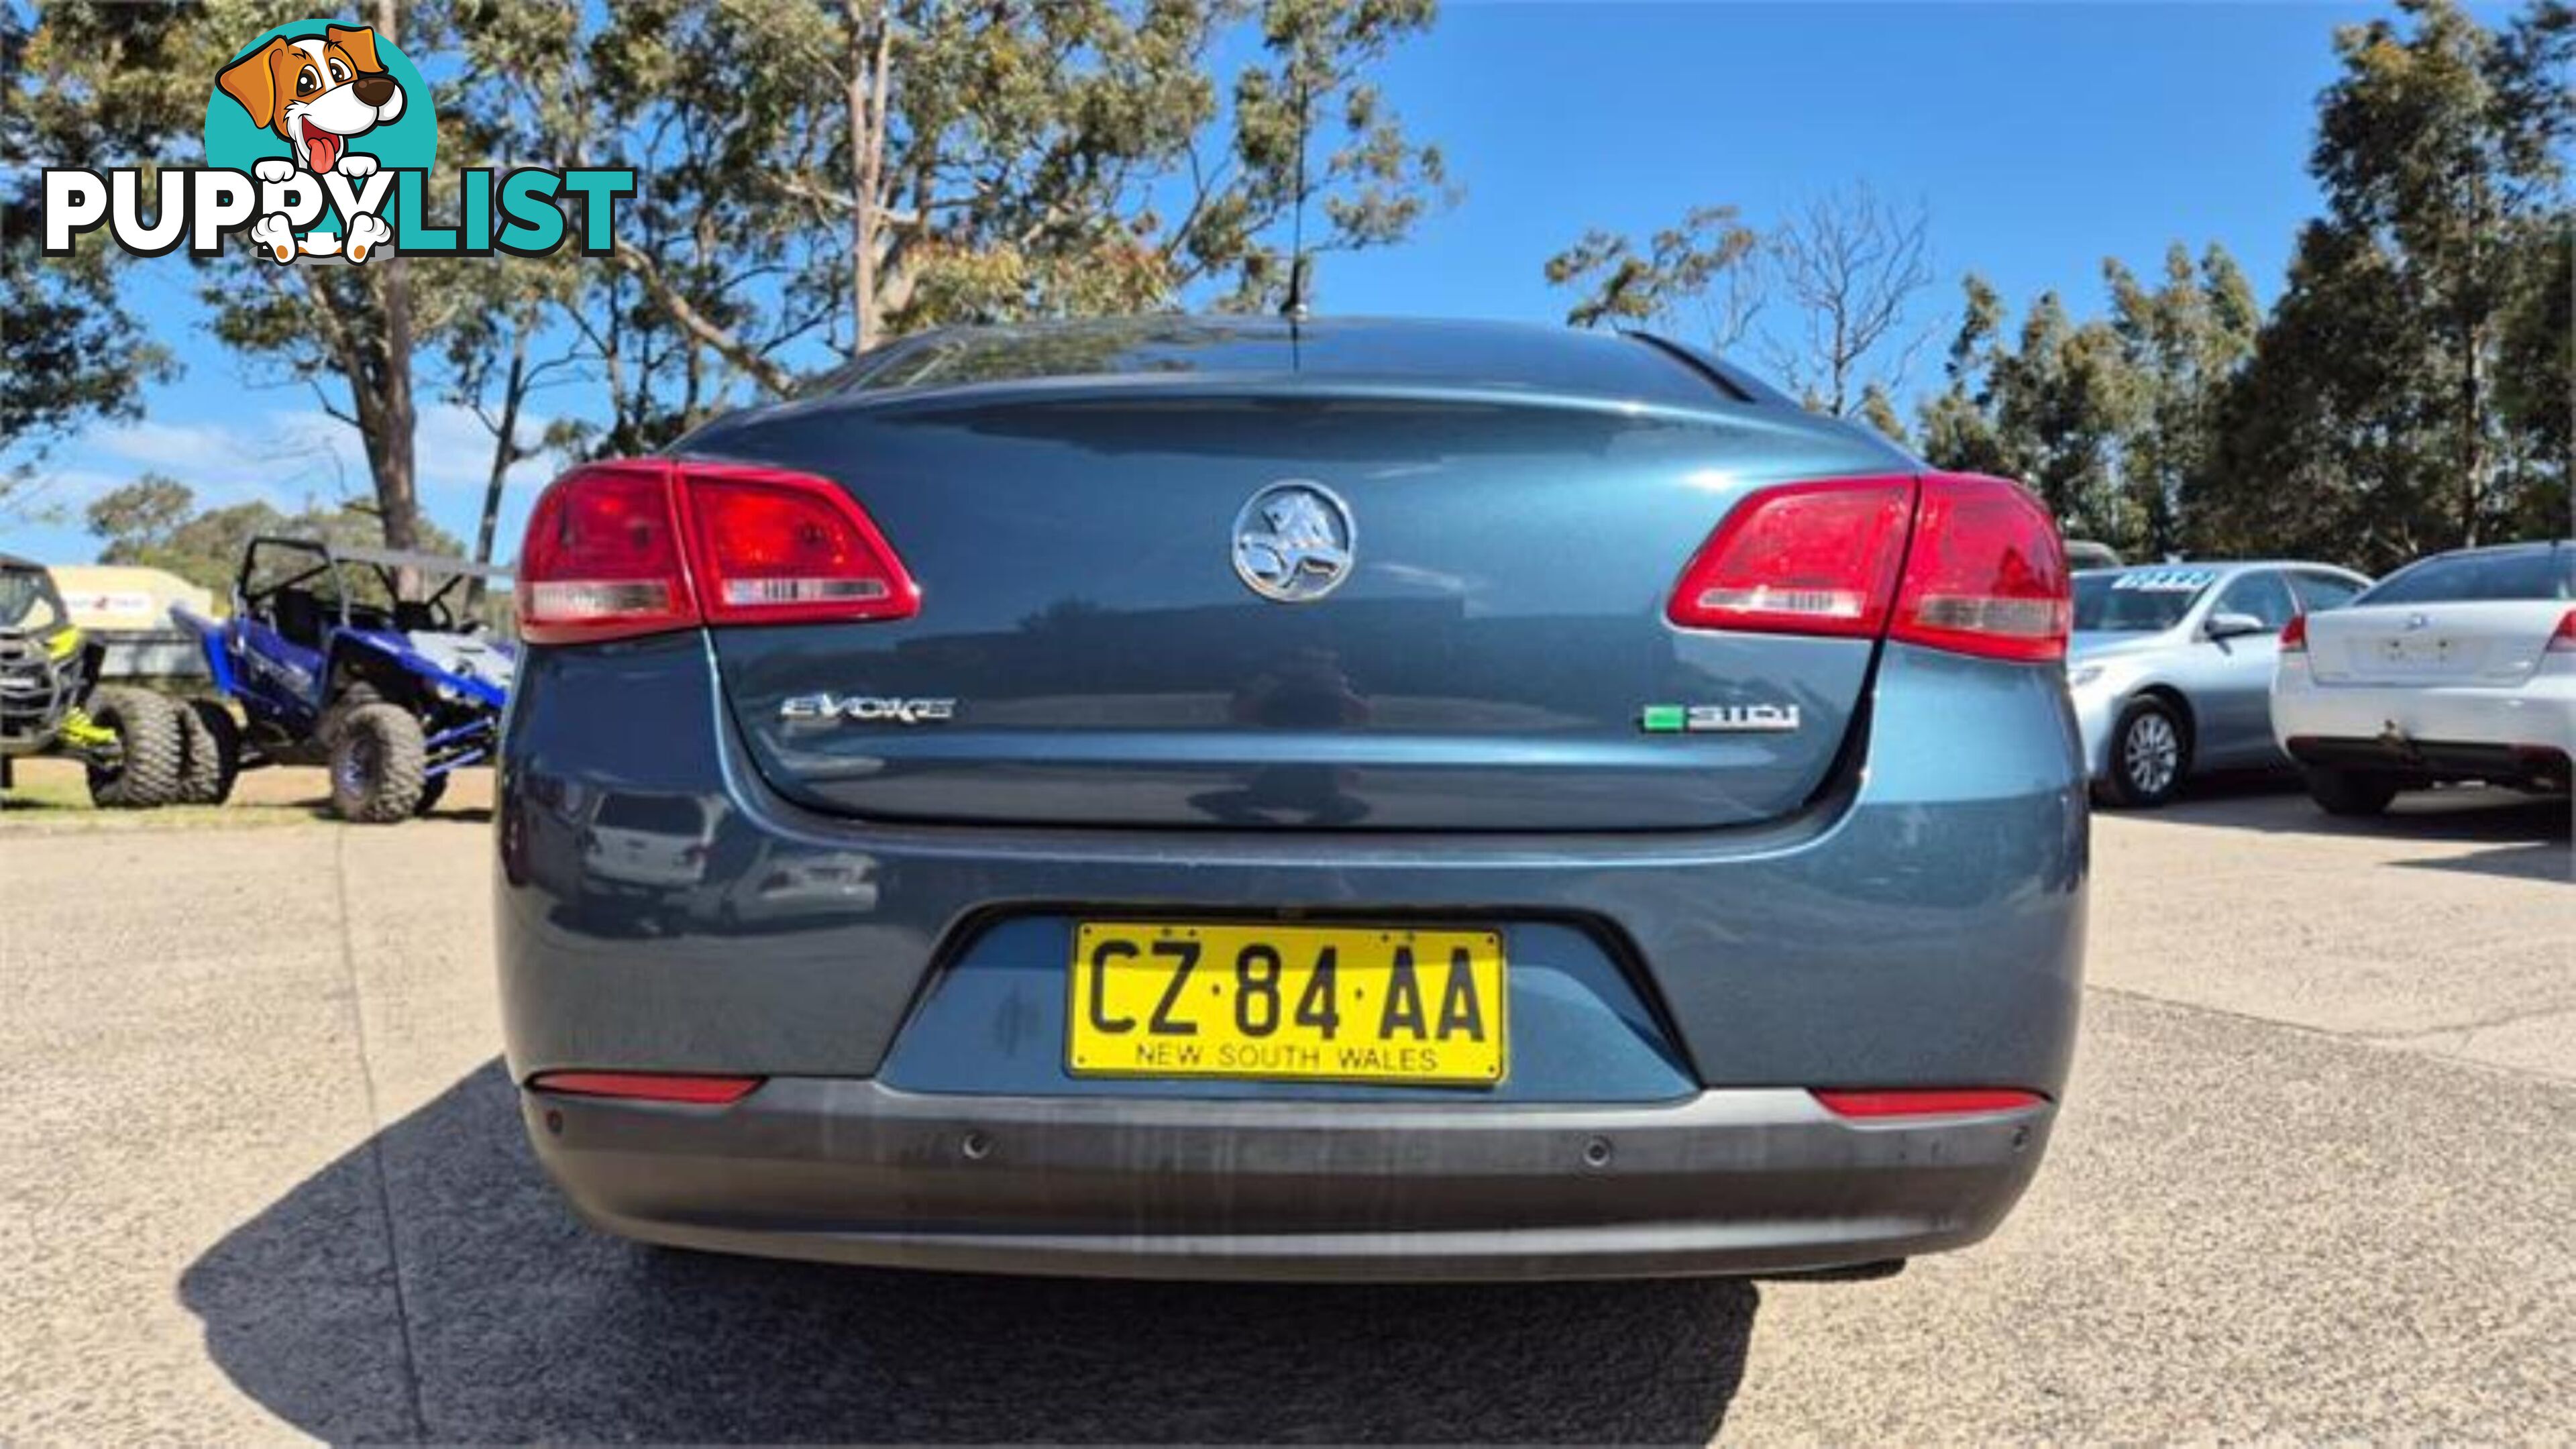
[
  {"x": 2530, "y": 545},
  {"x": 1632, "y": 366},
  {"x": 2227, "y": 566}
]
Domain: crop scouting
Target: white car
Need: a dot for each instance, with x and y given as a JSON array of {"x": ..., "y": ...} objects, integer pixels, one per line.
[{"x": 2461, "y": 666}]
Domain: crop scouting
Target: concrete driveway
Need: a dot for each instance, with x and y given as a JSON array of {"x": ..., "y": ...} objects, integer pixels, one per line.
[{"x": 264, "y": 1181}]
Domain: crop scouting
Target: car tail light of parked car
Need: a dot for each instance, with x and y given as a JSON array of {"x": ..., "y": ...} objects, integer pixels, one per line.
[
  {"x": 1960, "y": 562},
  {"x": 630, "y": 547}
]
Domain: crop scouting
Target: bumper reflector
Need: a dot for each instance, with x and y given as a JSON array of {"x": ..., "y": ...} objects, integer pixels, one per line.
[
  {"x": 1933, "y": 1102},
  {"x": 647, "y": 1086}
]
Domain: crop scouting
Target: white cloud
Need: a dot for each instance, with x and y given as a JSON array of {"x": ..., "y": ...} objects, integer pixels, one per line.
[
  {"x": 281, "y": 457},
  {"x": 288, "y": 456},
  {"x": 452, "y": 449}
]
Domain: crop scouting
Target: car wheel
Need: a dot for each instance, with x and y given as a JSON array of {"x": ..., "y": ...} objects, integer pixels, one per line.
[
  {"x": 377, "y": 765},
  {"x": 430, "y": 790},
  {"x": 150, "y": 750},
  {"x": 210, "y": 747},
  {"x": 2150, "y": 753},
  {"x": 2350, "y": 792}
]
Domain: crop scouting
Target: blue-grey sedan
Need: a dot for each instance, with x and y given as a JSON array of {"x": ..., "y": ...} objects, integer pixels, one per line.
[
  {"x": 1341, "y": 799},
  {"x": 2171, "y": 667}
]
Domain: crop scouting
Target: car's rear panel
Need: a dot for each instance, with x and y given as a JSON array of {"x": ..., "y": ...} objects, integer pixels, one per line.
[
  {"x": 1702, "y": 928},
  {"x": 1485, "y": 667}
]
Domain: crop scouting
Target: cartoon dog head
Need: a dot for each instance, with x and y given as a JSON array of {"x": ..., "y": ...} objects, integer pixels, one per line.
[{"x": 316, "y": 93}]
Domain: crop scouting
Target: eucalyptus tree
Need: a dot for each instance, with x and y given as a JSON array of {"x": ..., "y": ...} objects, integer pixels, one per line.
[{"x": 2378, "y": 398}]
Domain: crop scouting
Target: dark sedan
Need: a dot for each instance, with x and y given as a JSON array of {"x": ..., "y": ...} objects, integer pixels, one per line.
[{"x": 1234, "y": 798}]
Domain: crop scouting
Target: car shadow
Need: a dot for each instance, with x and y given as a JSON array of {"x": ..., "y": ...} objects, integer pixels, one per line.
[
  {"x": 2471, "y": 814},
  {"x": 2543, "y": 861},
  {"x": 508, "y": 1321}
]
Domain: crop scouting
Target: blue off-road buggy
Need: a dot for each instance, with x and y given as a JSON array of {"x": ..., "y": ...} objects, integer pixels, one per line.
[{"x": 367, "y": 660}]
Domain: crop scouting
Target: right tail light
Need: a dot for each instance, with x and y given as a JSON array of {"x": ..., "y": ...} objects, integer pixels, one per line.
[{"x": 1951, "y": 561}]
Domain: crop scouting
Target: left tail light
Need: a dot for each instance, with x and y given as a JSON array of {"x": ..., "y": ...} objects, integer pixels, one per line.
[
  {"x": 643, "y": 546},
  {"x": 2294, "y": 635},
  {"x": 1985, "y": 574}
]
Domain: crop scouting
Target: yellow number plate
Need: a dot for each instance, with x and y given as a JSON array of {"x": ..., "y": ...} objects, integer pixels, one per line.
[{"x": 1303, "y": 1003}]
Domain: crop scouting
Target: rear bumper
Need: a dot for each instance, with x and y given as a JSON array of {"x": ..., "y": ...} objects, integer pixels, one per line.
[
  {"x": 2539, "y": 766},
  {"x": 1921, "y": 925},
  {"x": 1725, "y": 1182},
  {"x": 2523, "y": 732}
]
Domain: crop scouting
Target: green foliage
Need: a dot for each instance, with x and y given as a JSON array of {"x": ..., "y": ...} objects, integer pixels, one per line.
[
  {"x": 2107, "y": 418},
  {"x": 2180, "y": 343},
  {"x": 155, "y": 522},
  {"x": 1846, "y": 265},
  {"x": 816, "y": 176},
  {"x": 2408, "y": 391},
  {"x": 69, "y": 352},
  {"x": 1677, "y": 269}
]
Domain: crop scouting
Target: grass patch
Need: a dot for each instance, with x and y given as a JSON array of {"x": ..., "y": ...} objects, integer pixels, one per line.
[{"x": 53, "y": 795}]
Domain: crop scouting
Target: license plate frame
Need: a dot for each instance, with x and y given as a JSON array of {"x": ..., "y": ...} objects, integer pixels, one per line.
[{"x": 1145, "y": 992}]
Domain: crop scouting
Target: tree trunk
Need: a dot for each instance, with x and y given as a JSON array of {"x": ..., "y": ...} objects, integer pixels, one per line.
[
  {"x": 397, "y": 490},
  {"x": 2472, "y": 433},
  {"x": 505, "y": 453},
  {"x": 869, "y": 53}
]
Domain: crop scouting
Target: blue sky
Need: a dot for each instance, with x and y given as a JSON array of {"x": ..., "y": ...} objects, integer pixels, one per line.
[{"x": 2040, "y": 137}]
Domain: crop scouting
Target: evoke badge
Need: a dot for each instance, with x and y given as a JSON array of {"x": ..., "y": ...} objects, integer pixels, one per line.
[
  {"x": 866, "y": 709},
  {"x": 1663, "y": 719},
  {"x": 1293, "y": 541}
]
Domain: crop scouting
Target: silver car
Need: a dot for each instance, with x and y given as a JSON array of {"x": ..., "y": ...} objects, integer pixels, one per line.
[{"x": 2171, "y": 667}]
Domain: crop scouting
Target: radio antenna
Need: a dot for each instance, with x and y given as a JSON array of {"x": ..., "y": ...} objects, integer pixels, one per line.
[{"x": 1295, "y": 307}]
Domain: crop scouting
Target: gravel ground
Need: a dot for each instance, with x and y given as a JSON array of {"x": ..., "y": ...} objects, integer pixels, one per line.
[{"x": 2313, "y": 1181}]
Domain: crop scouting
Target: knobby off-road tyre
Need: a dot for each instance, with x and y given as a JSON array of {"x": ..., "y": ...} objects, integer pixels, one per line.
[
  {"x": 211, "y": 749},
  {"x": 151, "y": 750},
  {"x": 377, "y": 760},
  {"x": 430, "y": 790},
  {"x": 356, "y": 694}
]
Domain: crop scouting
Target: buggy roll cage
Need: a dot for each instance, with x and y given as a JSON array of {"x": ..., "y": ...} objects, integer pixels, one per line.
[{"x": 386, "y": 564}]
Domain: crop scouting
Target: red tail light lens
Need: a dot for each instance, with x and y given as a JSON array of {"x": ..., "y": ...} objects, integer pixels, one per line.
[
  {"x": 1986, "y": 573},
  {"x": 696, "y": 1091},
  {"x": 778, "y": 547},
  {"x": 2294, "y": 635},
  {"x": 602, "y": 557},
  {"x": 641, "y": 546},
  {"x": 2562, "y": 640},
  {"x": 1933, "y": 1102},
  {"x": 1806, "y": 558},
  {"x": 1983, "y": 572}
]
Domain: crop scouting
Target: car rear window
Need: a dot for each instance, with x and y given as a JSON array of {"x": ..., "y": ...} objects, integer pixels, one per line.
[
  {"x": 2535, "y": 573},
  {"x": 2137, "y": 601},
  {"x": 2321, "y": 592},
  {"x": 652, "y": 814},
  {"x": 1468, "y": 353}
]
